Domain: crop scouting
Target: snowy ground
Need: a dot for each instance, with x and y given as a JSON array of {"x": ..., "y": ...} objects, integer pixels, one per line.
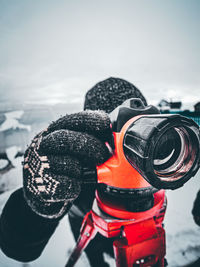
[{"x": 182, "y": 235}]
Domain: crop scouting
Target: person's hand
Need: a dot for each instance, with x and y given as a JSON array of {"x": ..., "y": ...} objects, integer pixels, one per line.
[{"x": 54, "y": 162}]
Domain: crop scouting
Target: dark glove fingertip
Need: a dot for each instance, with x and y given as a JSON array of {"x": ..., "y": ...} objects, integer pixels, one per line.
[
  {"x": 65, "y": 165},
  {"x": 98, "y": 155},
  {"x": 49, "y": 143},
  {"x": 59, "y": 123},
  {"x": 92, "y": 122}
]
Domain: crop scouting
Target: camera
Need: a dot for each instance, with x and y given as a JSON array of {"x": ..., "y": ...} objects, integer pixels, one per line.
[{"x": 152, "y": 151}]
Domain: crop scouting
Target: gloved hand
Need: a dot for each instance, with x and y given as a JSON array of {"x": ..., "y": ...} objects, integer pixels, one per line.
[{"x": 53, "y": 163}]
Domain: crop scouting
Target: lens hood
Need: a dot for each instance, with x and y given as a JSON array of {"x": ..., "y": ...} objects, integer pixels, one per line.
[{"x": 164, "y": 149}]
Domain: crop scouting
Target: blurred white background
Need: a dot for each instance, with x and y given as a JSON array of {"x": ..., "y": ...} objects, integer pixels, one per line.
[{"x": 54, "y": 51}]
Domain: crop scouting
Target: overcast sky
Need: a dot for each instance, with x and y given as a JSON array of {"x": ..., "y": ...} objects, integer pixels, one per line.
[{"x": 54, "y": 51}]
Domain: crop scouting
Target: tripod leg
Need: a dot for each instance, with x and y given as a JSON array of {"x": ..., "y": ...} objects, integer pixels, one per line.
[{"x": 88, "y": 232}]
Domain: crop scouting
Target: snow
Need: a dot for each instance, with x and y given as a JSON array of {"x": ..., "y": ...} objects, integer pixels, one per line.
[
  {"x": 12, "y": 152},
  {"x": 12, "y": 122},
  {"x": 3, "y": 163},
  {"x": 182, "y": 234}
]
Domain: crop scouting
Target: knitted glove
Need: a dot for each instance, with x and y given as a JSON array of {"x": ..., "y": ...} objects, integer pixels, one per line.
[{"x": 54, "y": 162}]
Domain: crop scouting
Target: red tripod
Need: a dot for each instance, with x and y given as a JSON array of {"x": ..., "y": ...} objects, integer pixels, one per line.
[
  {"x": 139, "y": 236},
  {"x": 150, "y": 151}
]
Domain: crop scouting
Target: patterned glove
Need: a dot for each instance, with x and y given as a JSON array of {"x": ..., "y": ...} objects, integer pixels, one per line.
[{"x": 53, "y": 163}]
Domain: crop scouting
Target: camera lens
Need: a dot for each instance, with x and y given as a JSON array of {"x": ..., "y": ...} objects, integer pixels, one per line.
[
  {"x": 173, "y": 154},
  {"x": 164, "y": 149}
]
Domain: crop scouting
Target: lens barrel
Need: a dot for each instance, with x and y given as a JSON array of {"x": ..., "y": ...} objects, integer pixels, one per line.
[{"x": 164, "y": 149}]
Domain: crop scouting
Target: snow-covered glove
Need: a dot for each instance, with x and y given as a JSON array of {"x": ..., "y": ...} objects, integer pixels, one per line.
[{"x": 54, "y": 162}]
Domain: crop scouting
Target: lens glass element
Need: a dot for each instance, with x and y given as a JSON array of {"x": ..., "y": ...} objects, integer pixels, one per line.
[{"x": 174, "y": 154}]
